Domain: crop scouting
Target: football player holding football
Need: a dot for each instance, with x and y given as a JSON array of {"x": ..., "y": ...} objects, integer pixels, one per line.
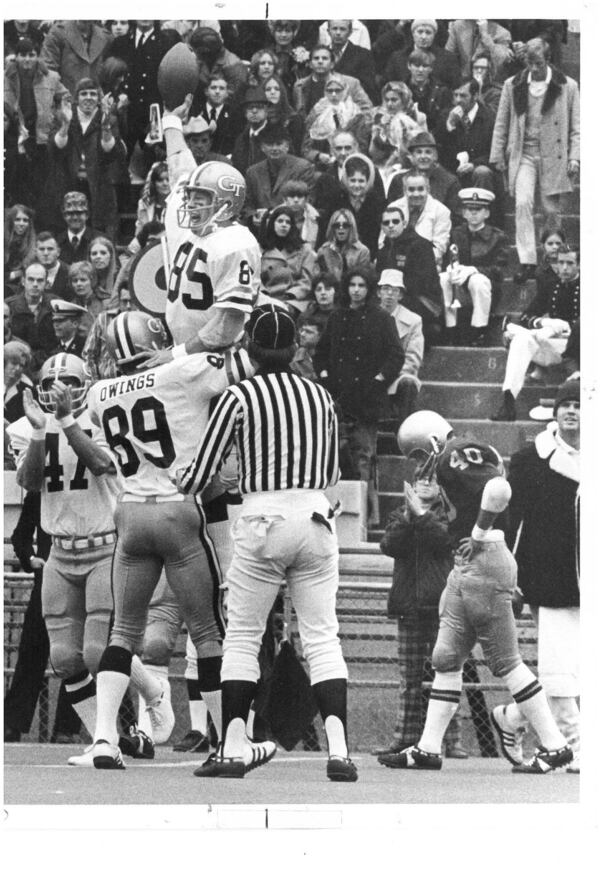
[
  {"x": 213, "y": 261},
  {"x": 476, "y": 604},
  {"x": 60, "y": 452}
]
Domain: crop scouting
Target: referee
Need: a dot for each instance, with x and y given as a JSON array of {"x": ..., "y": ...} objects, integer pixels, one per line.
[{"x": 285, "y": 431}]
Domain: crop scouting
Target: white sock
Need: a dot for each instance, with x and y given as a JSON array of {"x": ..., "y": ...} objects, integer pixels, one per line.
[
  {"x": 213, "y": 704},
  {"x": 198, "y": 716},
  {"x": 443, "y": 703},
  {"x": 515, "y": 717},
  {"x": 144, "y": 681},
  {"x": 86, "y": 707},
  {"x": 531, "y": 699},
  {"x": 336, "y": 738},
  {"x": 110, "y": 689},
  {"x": 250, "y": 723},
  {"x": 235, "y": 738}
]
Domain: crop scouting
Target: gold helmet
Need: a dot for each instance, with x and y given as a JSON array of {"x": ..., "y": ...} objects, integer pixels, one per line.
[
  {"x": 68, "y": 369},
  {"x": 214, "y": 194}
]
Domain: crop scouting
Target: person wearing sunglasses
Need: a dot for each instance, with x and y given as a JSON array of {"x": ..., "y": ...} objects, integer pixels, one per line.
[{"x": 342, "y": 250}]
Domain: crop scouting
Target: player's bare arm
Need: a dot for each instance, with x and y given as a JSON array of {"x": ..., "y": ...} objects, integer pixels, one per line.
[
  {"x": 92, "y": 455},
  {"x": 30, "y": 474},
  {"x": 494, "y": 500},
  {"x": 219, "y": 333},
  {"x": 179, "y": 157}
]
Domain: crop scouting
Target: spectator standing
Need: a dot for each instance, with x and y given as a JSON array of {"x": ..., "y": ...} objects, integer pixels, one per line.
[
  {"x": 88, "y": 152},
  {"x": 542, "y": 334},
  {"x": 357, "y": 358},
  {"x": 342, "y": 251},
  {"x": 31, "y": 316},
  {"x": 308, "y": 91},
  {"x": 19, "y": 245},
  {"x": 214, "y": 59},
  {"x": 221, "y": 117},
  {"x": 66, "y": 320},
  {"x": 481, "y": 252},
  {"x": 362, "y": 199},
  {"x": 75, "y": 49},
  {"x": 544, "y": 520},
  {"x": 536, "y": 140},
  {"x": 467, "y": 36},
  {"x": 151, "y": 204},
  {"x": 291, "y": 55},
  {"x": 142, "y": 48},
  {"x": 350, "y": 59},
  {"x": 32, "y": 90},
  {"x": 405, "y": 389},
  {"x": 47, "y": 252},
  {"x": 288, "y": 264},
  {"x": 74, "y": 242},
  {"x": 246, "y": 149},
  {"x": 445, "y": 66}
]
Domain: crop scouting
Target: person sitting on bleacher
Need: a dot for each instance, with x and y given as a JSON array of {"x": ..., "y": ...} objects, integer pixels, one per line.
[{"x": 543, "y": 332}]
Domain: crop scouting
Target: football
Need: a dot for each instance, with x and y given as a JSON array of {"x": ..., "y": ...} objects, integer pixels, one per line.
[{"x": 178, "y": 75}]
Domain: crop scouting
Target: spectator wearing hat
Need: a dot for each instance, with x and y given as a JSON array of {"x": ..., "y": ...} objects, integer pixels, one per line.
[
  {"x": 536, "y": 140},
  {"x": 443, "y": 185},
  {"x": 408, "y": 253},
  {"x": 542, "y": 333},
  {"x": 308, "y": 91},
  {"x": 445, "y": 69},
  {"x": 47, "y": 252},
  {"x": 75, "y": 50},
  {"x": 350, "y": 59},
  {"x": 142, "y": 48},
  {"x": 246, "y": 150},
  {"x": 544, "y": 520},
  {"x": 265, "y": 179},
  {"x": 87, "y": 152},
  {"x": 74, "y": 242},
  {"x": 466, "y": 38},
  {"x": 197, "y": 133},
  {"x": 214, "y": 59},
  {"x": 363, "y": 199},
  {"x": 426, "y": 214},
  {"x": 31, "y": 90},
  {"x": 476, "y": 263},
  {"x": 404, "y": 390},
  {"x": 66, "y": 319},
  {"x": 31, "y": 316}
]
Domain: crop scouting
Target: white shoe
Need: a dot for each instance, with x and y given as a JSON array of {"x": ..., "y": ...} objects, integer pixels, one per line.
[
  {"x": 107, "y": 756},
  {"x": 85, "y": 759},
  {"x": 511, "y": 739},
  {"x": 162, "y": 718}
]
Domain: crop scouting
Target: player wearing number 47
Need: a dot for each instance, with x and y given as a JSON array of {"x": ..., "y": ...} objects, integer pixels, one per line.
[
  {"x": 60, "y": 452},
  {"x": 214, "y": 262},
  {"x": 153, "y": 420}
]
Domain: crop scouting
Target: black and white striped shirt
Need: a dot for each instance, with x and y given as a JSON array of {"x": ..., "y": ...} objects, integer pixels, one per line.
[{"x": 286, "y": 433}]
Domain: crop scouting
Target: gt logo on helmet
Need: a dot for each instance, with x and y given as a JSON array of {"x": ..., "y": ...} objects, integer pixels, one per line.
[{"x": 230, "y": 185}]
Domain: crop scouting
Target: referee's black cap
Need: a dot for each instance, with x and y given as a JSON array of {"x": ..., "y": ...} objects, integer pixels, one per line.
[{"x": 271, "y": 328}]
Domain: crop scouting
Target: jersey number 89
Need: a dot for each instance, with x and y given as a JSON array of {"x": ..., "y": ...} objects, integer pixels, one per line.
[{"x": 118, "y": 424}]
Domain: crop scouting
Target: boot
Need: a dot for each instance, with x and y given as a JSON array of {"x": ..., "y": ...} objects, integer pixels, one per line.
[{"x": 507, "y": 411}]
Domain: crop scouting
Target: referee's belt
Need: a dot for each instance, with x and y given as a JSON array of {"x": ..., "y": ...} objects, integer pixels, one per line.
[
  {"x": 155, "y": 499},
  {"x": 91, "y": 541}
]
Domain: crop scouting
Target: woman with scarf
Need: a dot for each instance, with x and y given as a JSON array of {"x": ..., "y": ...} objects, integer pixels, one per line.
[
  {"x": 365, "y": 203},
  {"x": 342, "y": 251},
  {"x": 288, "y": 264},
  {"x": 397, "y": 119},
  {"x": 336, "y": 111}
]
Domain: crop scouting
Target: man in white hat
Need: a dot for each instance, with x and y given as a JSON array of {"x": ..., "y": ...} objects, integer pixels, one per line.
[
  {"x": 198, "y": 137},
  {"x": 475, "y": 261},
  {"x": 404, "y": 390},
  {"x": 66, "y": 317}
]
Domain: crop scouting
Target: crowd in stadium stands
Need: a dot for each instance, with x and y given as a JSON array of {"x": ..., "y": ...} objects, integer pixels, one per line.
[{"x": 378, "y": 157}]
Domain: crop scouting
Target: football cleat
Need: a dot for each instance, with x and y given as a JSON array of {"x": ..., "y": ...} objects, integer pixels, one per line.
[
  {"x": 162, "y": 718},
  {"x": 511, "y": 739},
  {"x": 193, "y": 741},
  {"x": 69, "y": 369},
  {"x": 341, "y": 769},
  {"x": 411, "y": 758},
  {"x": 137, "y": 744},
  {"x": 107, "y": 756},
  {"x": 544, "y": 761},
  {"x": 85, "y": 759},
  {"x": 255, "y": 754}
]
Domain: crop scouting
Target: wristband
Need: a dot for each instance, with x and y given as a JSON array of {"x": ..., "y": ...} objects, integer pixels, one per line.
[
  {"x": 478, "y": 533},
  {"x": 179, "y": 351},
  {"x": 172, "y": 122},
  {"x": 66, "y": 421},
  {"x": 38, "y": 434}
]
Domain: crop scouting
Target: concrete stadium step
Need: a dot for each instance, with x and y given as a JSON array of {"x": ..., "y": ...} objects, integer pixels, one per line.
[
  {"x": 365, "y": 562},
  {"x": 507, "y": 437},
  {"x": 569, "y": 221},
  {"x": 473, "y": 364},
  {"x": 476, "y": 400},
  {"x": 514, "y": 298}
]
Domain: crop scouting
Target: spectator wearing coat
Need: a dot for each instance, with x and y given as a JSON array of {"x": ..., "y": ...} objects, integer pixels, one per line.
[
  {"x": 426, "y": 214},
  {"x": 288, "y": 264},
  {"x": 308, "y": 91},
  {"x": 536, "y": 140},
  {"x": 342, "y": 251},
  {"x": 468, "y": 36},
  {"x": 350, "y": 59},
  {"x": 75, "y": 50},
  {"x": 31, "y": 316}
]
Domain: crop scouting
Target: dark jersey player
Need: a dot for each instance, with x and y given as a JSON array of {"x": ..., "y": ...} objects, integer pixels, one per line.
[{"x": 476, "y": 603}]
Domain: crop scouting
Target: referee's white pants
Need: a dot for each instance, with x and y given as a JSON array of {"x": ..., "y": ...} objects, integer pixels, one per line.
[
  {"x": 529, "y": 345},
  {"x": 479, "y": 288},
  {"x": 275, "y": 539}
]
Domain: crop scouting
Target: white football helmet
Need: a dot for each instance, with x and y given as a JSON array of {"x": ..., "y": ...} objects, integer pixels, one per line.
[
  {"x": 214, "y": 194},
  {"x": 133, "y": 336},
  {"x": 423, "y": 433},
  {"x": 68, "y": 369}
]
